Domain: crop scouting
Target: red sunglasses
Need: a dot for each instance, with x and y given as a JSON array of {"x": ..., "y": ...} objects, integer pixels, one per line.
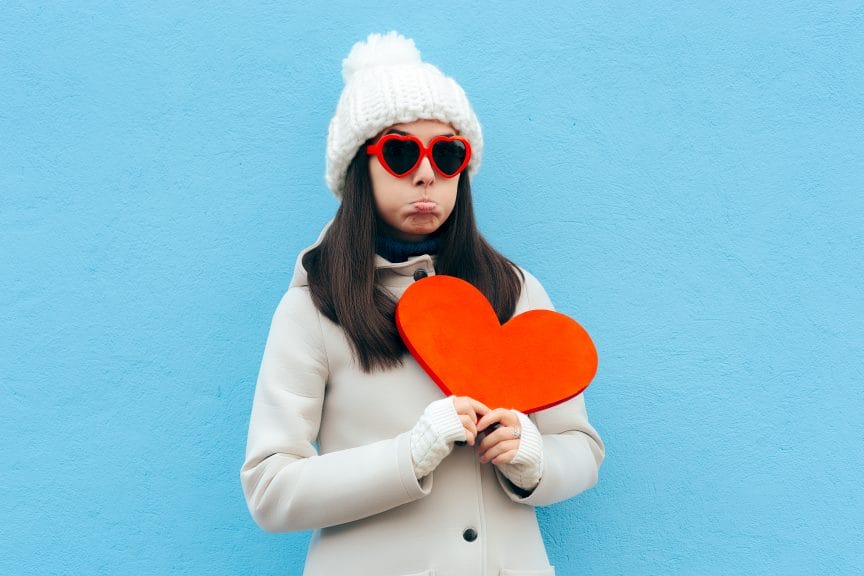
[{"x": 401, "y": 154}]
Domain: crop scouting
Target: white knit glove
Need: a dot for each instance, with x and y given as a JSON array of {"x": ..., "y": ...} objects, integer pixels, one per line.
[
  {"x": 526, "y": 468},
  {"x": 433, "y": 436}
]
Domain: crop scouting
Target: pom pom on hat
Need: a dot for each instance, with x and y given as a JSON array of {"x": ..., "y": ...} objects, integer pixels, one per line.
[
  {"x": 388, "y": 50},
  {"x": 387, "y": 83}
]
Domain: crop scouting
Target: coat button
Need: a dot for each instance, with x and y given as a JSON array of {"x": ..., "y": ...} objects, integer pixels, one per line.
[
  {"x": 419, "y": 274},
  {"x": 469, "y": 534}
]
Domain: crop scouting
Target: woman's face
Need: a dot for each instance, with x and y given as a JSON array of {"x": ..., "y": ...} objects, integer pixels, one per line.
[{"x": 417, "y": 204}]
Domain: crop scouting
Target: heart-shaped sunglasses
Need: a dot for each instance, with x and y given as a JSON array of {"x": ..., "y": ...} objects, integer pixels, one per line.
[{"x": 401, "y": 154}]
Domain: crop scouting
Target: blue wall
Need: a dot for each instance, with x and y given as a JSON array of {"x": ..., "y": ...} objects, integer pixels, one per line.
[{"x": 686, "y": 181}]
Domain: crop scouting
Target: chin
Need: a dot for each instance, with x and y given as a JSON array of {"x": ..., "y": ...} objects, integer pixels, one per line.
[
  {"x": 417, "y": 234},
  {"x": 425, "y": 227}
]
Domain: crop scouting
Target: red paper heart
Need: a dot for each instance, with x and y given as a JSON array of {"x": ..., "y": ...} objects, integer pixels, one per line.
[{"x": 533, "y": 361}]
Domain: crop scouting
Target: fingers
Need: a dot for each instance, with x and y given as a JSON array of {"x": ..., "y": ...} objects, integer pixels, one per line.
[
  {"x": 479, "y": 408},
  {"x": 500, "y": 452},
  {"x": 470, "y": 426},
  {"x": 499, "y": 446},
  {"x": 466, "y": 404},
  {"x": 463, "y": 405},
  {"x": 468, "y": 411},
  {"x": 498, "y": 416}
]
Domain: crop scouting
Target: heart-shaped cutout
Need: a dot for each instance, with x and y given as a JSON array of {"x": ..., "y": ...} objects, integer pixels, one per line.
[{"x": 535, "y": 360}]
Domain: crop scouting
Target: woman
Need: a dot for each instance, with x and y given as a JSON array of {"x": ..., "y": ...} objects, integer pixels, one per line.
[{"x": 348, "y": 435}]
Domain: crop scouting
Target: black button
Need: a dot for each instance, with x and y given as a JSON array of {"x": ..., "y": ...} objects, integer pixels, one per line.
[
  {"x": 419, "y": 274},
  {"x": 469, "y": 534}
]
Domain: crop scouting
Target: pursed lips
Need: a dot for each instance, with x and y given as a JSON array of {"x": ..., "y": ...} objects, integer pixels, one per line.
[{"x": 424, "y": 206}]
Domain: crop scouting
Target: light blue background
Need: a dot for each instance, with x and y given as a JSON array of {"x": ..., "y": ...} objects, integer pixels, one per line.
[{"x": 685, "y": 178}]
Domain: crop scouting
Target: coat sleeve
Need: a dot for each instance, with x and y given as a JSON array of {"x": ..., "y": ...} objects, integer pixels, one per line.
[
  {"x": 288, "y": 486},
  {"x": 572, "y": 448}
]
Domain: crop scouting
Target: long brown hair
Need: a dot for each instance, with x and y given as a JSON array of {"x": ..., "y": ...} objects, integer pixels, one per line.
[{"x": 341, "y": 269}]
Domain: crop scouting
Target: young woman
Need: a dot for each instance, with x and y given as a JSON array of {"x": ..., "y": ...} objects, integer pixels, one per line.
[{"x": 348, "y": 436}]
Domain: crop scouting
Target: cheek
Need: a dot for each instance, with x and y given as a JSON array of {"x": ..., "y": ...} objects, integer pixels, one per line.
[
  {"x": 381, "y": 184},
  {"x": 451, "y": 194}
]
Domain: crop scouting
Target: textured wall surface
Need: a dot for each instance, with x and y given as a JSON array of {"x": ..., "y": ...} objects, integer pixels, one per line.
[{"x": 686, "y": 180}]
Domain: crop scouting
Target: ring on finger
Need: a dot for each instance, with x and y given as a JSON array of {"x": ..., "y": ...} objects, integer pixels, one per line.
[{"x": 516, "y": 432}]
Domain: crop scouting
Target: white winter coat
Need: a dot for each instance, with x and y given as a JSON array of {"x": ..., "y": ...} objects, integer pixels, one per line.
[{"x": 328, "y": 450}]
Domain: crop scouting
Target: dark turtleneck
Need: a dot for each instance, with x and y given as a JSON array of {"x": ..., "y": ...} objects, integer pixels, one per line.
[{"x": 395, "y": 250}]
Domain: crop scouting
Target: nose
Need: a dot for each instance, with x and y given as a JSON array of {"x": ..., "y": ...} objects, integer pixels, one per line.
[{"x": 424, "y": 175}]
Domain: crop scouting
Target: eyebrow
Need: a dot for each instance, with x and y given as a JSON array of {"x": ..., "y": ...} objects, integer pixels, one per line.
[{"x": 402, "y": 133}]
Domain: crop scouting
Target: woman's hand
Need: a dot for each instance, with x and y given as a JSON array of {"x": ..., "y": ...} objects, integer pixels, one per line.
[
  {"x": 444, "y": 422},
  {"x": 470, "y": 411},
  {"x": 502, "y": 443}
]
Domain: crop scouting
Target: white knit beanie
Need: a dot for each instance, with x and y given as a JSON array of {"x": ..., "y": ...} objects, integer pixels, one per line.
[{"x": 387, "y": 83}]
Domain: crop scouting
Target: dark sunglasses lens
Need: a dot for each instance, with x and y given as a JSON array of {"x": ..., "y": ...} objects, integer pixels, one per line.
[
  {"x": 400, "y": 155},
  {"x": 449, "y": 155}
]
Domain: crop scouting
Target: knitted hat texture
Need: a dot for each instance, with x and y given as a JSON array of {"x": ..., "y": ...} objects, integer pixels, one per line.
[{"x": 387, "y": 83}]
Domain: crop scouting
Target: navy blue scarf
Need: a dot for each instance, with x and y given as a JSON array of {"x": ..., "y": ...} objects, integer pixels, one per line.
[{"x": 400, "y": 250}]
